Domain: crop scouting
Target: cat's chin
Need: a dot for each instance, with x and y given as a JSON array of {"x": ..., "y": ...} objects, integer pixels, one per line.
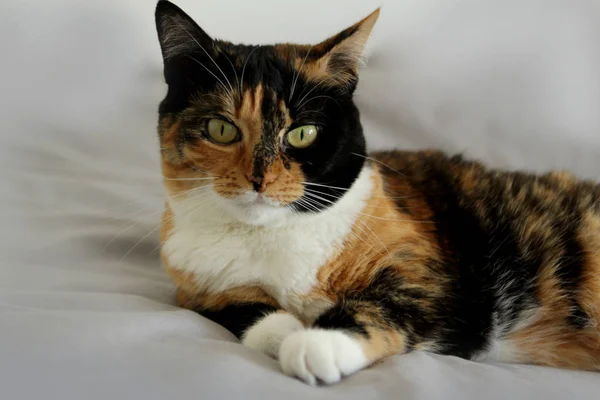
[
  {"x": 259, "y": 215},
  {"x": 262, "y": 213}
]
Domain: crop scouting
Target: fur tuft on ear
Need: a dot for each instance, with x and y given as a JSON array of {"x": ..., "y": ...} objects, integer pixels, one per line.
[
  {"x": 341, "y": 55},
  {"x": 178, "y": 34}
]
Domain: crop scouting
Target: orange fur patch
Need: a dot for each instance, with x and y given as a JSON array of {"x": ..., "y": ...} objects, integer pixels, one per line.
[
  {"x": 191, "y": 296},
  {"x": 549, "y": 342},
  {"x": 380, "y": 235}
]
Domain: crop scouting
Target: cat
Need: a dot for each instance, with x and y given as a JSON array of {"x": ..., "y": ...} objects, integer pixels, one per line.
[{"x": 280, "y": 227}]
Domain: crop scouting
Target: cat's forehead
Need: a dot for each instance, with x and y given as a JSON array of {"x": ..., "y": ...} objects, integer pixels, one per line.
[
  {"x": 257, "y": 83},
  {"x": 272, "y": 67},
  {"x": 267, "y": 57},
  {"x": 247, "y": 105},
  {"x": 261, "y": 100}
]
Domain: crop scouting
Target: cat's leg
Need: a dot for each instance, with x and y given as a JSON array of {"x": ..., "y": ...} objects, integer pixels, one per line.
[
  {"x": 347, "y": 338},
  {"x": 248, "y": 312},
  {"x": 259, "y": 326},
  {"x": 386, "y": 318}
]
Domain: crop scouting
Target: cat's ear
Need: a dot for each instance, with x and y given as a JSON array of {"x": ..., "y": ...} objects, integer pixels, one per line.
[
  {"x": 340, "y": 56},
  {"x": 178, "y": 34}
]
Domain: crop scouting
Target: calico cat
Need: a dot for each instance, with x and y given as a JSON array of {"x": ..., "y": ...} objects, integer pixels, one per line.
[{"x": 281, "y": 228}]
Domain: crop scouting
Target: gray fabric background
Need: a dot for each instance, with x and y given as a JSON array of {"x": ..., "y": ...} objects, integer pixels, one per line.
[{"x": 85, "y": 309}]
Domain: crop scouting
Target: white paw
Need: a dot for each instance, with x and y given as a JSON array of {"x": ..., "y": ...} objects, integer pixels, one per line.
[
  {"x": 267, "y": 334},
  {"x": 319, "y": 354}
]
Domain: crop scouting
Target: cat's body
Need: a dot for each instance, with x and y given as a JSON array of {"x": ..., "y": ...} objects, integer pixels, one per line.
[{"x": 311, "y": 251}]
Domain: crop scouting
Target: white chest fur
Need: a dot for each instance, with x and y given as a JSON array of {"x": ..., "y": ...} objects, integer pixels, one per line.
[{"x": 223, "y": 253}]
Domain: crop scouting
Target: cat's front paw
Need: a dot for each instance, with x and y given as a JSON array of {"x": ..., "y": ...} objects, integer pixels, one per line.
[
  {"x": 267, "y": 334},
  {"x": 321, "y": 355}
]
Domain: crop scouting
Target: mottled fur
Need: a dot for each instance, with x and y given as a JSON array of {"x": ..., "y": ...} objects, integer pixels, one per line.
[{"x": 373, "y": 255}]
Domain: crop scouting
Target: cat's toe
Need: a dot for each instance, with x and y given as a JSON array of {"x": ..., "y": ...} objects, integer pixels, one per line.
[{"x": 321, "y": 355}]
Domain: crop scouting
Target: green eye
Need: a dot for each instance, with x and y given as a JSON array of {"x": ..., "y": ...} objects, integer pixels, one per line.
[
  {"x": 302, "y": 137},
  {"x": 221, "y": 131}
]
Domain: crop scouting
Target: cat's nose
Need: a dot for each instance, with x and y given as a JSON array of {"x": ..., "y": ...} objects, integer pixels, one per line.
[
  {"x": 260, "y": 183},
  {"x": 257, "y": 183}
]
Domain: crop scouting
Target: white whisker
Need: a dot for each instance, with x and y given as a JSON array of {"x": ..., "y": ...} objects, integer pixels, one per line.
[
  {"x": 358, "y": 220},
  {"x": 205, "y": 52},
  {"x": 316, "y": 97},
  {"x": 326, "y": 186},
  {"x": 314, "y": 196},
  {"x": 351, "y": 232},
  {"x": 188, "y": 179},
  {"x": 323, "y": 193},
  {"x": 209, "y": 71},
  {"x": 127, "y": 228},
  {"x": 396, "y": 220},
  {"x": 315, "y": 86},
  {"x": 298, "y": 75},
  {"x": 313, "y": 203},
  {"x": 194, "y": 190},
  {"x": 233, "y": 68},
  {"x": 154, "y": 250},
  {"x": 206, "y": 202},
  {"x": 346, "y": 189},
  {"x": 379, "y": 162},
  {"x": 311, "y": 112},
  {"x": 373, "y": 216},
  {"x": 135, "y": 223},
  {"x": 140, "y": 241},
  {"x": 244, "y": 69},
  {"x": 340, "y": 197},
  {"x": 201, "y": 170},
  {"x": 119, "y": 206},
  {"x": 374, "y": 234},
  {"x": 306, "y": 204}
]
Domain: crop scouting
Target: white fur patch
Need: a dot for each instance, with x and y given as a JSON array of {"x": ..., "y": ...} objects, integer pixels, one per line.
[
  {"x": 267, "y": 334},
  {"x": 282, "y": 257},
  {"x": 503, "y": 350},
  {"x": 318, "y": 354}
]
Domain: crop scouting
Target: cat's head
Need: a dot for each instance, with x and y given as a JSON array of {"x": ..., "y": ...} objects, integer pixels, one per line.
[{"x": 272, "y": 130}]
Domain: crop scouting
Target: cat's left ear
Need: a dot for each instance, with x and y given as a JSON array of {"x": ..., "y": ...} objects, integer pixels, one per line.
[{"x": 340, "y": 55}]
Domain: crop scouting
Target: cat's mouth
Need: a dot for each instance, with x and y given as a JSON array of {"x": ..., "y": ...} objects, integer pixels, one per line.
[
  {"x": 251, "y": 199},
  {"x": 256, "y": 209}
]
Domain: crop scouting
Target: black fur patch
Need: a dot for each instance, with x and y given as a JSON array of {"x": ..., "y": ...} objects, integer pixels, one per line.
[
  {"x": 571, "y": 265},
  {"x": 237, "y": 318},
  {"x": 341, "y": 317},
  {"x": 578, "y": 318},
  {"x": 267, "y": 150},
  {"x": 385, "y": 303}
]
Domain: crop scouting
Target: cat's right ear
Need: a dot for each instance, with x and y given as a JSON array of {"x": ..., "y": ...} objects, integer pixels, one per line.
[{"x": 178, "y": 34}]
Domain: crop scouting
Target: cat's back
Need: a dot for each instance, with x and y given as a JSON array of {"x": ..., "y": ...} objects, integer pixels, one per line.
[{"x": 440, "y": 180}]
